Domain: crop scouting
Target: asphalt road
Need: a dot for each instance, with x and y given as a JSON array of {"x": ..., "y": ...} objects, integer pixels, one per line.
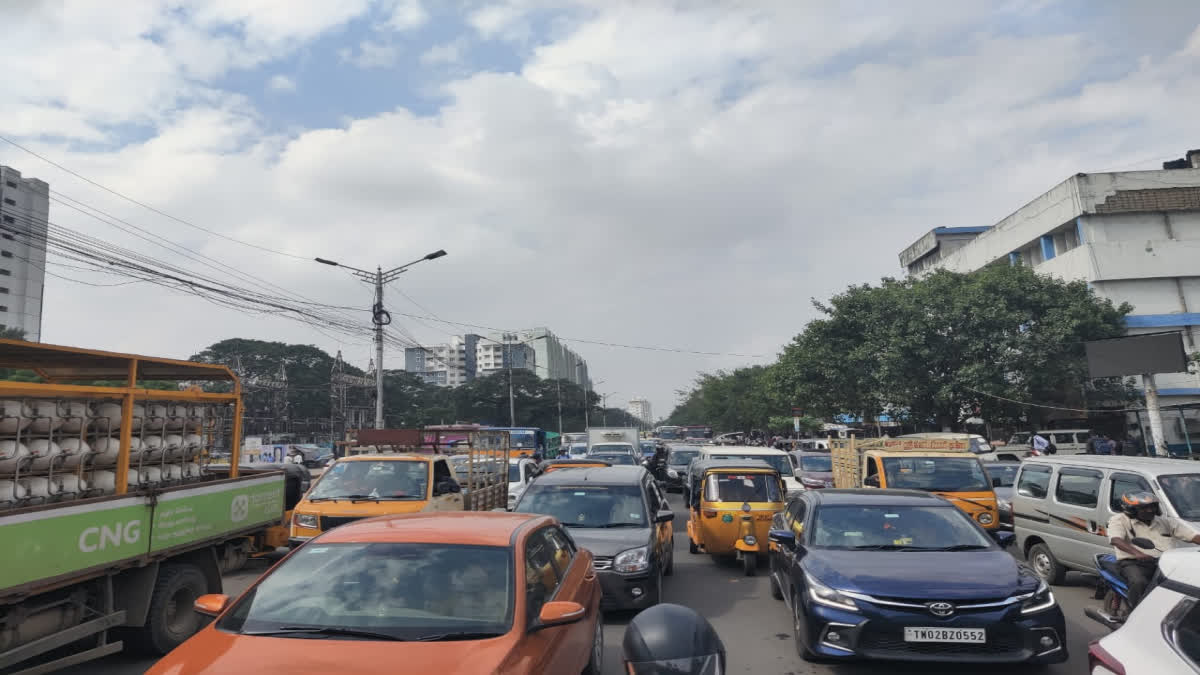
[{"x": 755, "y": 627}]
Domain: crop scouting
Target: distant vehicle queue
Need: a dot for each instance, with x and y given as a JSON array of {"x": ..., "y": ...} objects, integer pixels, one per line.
[{"x": 887, "y": 548}]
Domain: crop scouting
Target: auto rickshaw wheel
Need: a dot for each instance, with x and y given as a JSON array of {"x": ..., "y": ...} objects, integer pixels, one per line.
[
  {"x": 750, "y": 563},
  {"x": 692, "y": 547}
]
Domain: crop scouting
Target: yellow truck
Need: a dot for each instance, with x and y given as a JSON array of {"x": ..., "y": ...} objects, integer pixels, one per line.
[
  {"x": 394, "y": 471},
  {"x": 113, "y": 515},
  {"x": 943, "y": 466}
]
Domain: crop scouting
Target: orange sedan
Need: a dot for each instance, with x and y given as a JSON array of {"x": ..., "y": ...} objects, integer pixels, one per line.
[{"x": 450, "y": 593}]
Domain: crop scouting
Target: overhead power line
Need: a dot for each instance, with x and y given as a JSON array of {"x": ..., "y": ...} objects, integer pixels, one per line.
[{"x": 147, "y": 206}]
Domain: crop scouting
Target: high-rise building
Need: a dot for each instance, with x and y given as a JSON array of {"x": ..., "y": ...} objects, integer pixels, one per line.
[
  {"x": 500, "y": 351},
  {"x": 447, "y": 365},
  {"x": 555, "y": 361},
  {"x": 24, "y": 211},
  {"x": 640, "y": 408}
]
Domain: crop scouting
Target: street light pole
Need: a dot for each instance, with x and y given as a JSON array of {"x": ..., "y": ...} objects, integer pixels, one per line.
[{"x": 380, "y": 316}]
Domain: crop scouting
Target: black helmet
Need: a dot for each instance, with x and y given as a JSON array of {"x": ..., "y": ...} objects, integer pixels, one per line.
[
  {"x": 673, "y": 639},
  {"x": 1132, "y": 502}
]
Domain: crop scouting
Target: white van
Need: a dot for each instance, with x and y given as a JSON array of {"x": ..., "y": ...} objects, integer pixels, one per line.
[
  {"x": 778, "y": 459},
  {"x": 1061, "y": 505},
  {"x": 1066, "y": 441}
]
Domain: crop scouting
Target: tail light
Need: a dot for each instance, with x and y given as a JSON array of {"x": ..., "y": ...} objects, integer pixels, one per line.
[{"x": 1098, "y": 657}]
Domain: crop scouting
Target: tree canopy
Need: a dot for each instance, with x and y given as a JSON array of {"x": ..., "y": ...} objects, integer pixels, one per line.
[{"x": 935, "y": 349}]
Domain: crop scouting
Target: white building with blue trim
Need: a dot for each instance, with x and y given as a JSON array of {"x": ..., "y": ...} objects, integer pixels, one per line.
[{"x": 1134, "y": 236}]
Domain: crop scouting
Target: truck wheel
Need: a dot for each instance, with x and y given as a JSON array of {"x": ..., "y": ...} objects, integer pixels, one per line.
[
  {"x": 1046, "y": 565},
  {"x": 171, "y": 619}
]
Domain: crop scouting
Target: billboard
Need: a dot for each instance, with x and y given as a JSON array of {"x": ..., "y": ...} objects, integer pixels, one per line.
[{"x": 1137, "y": 354}]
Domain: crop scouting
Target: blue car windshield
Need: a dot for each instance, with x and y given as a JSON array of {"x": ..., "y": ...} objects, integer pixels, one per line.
[{"x": 895, "y": 527}]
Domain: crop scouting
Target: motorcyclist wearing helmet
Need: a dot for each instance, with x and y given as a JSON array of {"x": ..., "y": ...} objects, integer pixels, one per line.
[{"x": 1142, "y": 517}]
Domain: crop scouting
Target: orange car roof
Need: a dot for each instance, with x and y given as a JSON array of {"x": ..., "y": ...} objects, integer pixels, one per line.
[{"x": 481, "y": 528}]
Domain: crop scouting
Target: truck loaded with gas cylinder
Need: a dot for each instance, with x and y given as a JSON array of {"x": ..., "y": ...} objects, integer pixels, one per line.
[{"x": 114, "y": 517}]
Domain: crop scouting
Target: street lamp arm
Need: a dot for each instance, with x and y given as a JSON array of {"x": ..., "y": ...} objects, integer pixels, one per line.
[
  {"x": 355, "y": 270},
  {"x": 397, "y": 271}
]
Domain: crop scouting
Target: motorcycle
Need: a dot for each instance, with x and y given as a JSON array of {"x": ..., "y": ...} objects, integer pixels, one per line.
[{"x": 1112, "y": 589}]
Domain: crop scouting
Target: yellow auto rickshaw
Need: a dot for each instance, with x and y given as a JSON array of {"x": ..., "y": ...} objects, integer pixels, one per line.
[{"x": 731, "y": 503}]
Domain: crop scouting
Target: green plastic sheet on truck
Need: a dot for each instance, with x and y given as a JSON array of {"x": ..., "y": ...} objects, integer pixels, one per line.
[{"x": 76, "y": 537}]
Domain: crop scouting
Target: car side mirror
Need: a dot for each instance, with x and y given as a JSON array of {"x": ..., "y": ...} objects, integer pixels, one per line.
[
  {"x": 1142, "y": 542},
  {"x": 560, "y": 613},
  {"x": 1004, "y": 539},
  {"x": 871, "y": 481},
  {"x": 664, "y": 516},
  {"x": 211, "y": 604},
  {"x": 785, "y": 538},
  {"x": 997, "y": 482}
]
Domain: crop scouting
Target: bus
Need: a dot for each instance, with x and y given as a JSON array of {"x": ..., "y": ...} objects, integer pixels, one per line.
[
  {"x": 697, "y": 432},
  {"x": 669, "y": 433},
  {"x": 524, "y": 441}
]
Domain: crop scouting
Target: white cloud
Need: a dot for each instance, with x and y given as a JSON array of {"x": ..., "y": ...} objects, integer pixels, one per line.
[
  {"x": 446, "y": 53},
  {"x": 371, "y": 54},
  {"x": 281, "y": 83},
  {"x": 723, "y": 165},
  {"x": 406, "y": 15}
]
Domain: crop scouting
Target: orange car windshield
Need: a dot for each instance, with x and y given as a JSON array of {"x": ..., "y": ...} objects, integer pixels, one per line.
[
  {"x": 393, "y": 479},
  {"x": 400, "y": 591}
]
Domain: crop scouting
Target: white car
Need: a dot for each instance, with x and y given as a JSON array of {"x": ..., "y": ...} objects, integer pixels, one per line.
[
  {"x": 520, "y": 472},
  {"x": 1160, "y": 636}
]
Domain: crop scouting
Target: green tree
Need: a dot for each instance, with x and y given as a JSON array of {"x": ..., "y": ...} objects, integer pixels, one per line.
[
  {"x": 947, "y": 346},
  {"x": 728, "y": 401}
]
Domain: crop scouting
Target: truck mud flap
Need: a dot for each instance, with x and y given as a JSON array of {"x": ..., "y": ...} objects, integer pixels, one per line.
[{"x": 60, "y": 639}]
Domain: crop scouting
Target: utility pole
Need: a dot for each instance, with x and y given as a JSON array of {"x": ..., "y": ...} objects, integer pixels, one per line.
[
  {"x": 558, "y": 388},
  {"x": 512, "y": 404},
  {"x": 380, "y": 316}
]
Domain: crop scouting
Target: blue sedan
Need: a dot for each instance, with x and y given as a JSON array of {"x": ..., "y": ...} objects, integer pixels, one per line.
[{"x": 904, "y": 575}]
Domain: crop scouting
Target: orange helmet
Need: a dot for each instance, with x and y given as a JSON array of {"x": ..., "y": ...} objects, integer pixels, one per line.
[{"x": 1132, "y": 502}]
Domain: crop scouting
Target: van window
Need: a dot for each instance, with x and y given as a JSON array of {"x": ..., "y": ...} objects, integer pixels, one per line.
[
  {"x": 1122, "y": 483},
  {"x": 1034, "y": 481},
  {"x": 1078, "y": 487},
  {"x": 1082, "y": 437},
  {"x": 1064, "y": 438}
]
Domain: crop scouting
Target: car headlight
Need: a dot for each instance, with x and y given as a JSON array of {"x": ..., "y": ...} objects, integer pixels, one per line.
[
  {"x": 1041, "y": 600},
  {"x": 750, "y": 540},
  {"x": 812, "y": 482},
  {"x": 824, "y": 595},
  {"x": 672, "y": 473},
  {"x": 307, "y": 520},
  {"x": 633, "y": 560},
  {"x": 985, "y": 518}
]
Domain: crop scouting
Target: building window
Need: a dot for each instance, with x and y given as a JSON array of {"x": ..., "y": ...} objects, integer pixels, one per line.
[
  {"x": 10, "y": 202},
  {"x": 8, "y": 219},
  {"x": 7, "y": 236},
  {"x": 11, "y": 184},
  {"x": 3, "y": 308},
  {"x": 5, "y": 273},
  {"x": 3, "y": 290},
  {"x": 5, "y": 254}
]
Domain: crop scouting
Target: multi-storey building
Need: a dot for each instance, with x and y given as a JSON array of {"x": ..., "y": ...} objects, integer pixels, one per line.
[
  {"x": 1133, "y": 236},
  {"x": 24, "y": 212}
]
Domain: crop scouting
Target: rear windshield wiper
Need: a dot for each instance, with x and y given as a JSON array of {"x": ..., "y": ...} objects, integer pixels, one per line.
[
  {"x": 962, "y": 547},
  {"x": 463, "y": 635},
  {"x": 890, "y": 547},
  {"x": 328, "y": 630}
]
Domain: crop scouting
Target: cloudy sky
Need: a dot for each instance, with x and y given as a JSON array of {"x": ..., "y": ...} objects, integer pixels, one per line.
[{"x": 673, "y": 174}]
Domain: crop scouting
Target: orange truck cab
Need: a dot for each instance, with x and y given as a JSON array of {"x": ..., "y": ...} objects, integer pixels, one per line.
[
  {"x": 942, "y": 466},
  {"x": 376, "y": 482}
]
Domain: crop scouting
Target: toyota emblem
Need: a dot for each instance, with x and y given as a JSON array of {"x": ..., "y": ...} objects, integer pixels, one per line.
[{"x": 942, "y": 609}]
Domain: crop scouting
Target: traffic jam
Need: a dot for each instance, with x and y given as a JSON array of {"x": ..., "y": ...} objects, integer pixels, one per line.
[{"x": 881, "y": 550}]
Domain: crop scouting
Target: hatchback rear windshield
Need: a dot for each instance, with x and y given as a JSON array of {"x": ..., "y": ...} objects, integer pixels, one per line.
[
  {"x": 587, "y": 506},
  {"x": 404, "y": 591},
  {"x": 817, "y": 463}
]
